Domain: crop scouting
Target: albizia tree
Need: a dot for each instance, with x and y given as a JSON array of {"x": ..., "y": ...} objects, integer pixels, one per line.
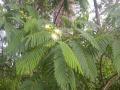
[{"x": 63, "y": 58}]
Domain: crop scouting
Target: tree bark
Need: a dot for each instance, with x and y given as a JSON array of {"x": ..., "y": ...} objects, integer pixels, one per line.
[
  {"x": 60, "y": 11},
  {"x": 20, "y": 2},
  {"x": 97, "y": 15}
]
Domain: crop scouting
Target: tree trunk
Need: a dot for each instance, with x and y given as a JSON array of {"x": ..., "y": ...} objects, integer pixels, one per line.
[
  {"x": 60, "y": 11},
  {"x": 20, "y": 2},
  {"x": 97, "y": 13},
  {"x": 117, "y": 1}
]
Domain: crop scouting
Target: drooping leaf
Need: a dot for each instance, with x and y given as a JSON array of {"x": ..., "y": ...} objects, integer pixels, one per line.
[
  {"x": 70, "y": 58},
  {"x": 63, "y": 74},
  {"x": 85, "y": 61},
  {"x": 116, "y": 54},
  {"x": 27, "y": 63}
]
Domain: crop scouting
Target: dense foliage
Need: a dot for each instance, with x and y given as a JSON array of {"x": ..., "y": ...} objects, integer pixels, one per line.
[{"x": 59, "y": 54}]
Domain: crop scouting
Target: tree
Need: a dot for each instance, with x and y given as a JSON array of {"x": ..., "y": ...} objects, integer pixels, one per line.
[{"x": 72, "y": 57}]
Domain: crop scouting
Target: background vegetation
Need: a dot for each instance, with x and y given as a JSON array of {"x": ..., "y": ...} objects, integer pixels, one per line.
[{"x": 45, "y": 45}]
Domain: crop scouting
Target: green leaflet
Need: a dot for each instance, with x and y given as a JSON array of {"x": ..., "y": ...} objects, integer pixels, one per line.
[
  {"x": 27, "y": 63},
  {"x": 31, "y": 85},
  {"x": 103, "y": 41},
  {"x": 37, "y": 39},
  {"x": 31, "y": 26},
  {"x": 14, "y": 42},
  {"x": 90, "y": 38},
  {"x": 87, "y": 64},
  {"x": 70, "y": 58},
  {"x": 32, "y": 12},
  {"x": 116, "y": 54},
  {"x": 63, "y": 74}
]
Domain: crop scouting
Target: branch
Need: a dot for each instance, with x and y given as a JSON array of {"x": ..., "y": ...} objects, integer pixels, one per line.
[
  {"x": 58, "y": 11},
  {"x": 111, "y": 81}
]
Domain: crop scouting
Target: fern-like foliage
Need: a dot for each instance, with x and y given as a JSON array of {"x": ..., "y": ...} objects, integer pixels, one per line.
[
  {"x": 63, "y": 74},
  {"x": 27, "y": 63},
  {"x": 86, "y": 62},
  {"x": 30, "y": 45},
  {"x": 14, "y": 42},
  {"x": 70, "y": 58},
  {"x": 36, "y": 39},
  {"x": 116, "y": 54},
  {"x": 31, "y": 85},
  {"x": 90, "y": 38},
  {"x": 31, "y": 26},
  {"x": 103, "y": 41}
]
